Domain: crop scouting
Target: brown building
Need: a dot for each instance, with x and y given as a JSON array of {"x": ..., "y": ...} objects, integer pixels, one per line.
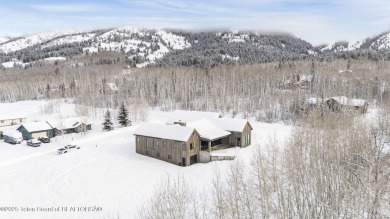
[
  {"x": 172, "y": 143},
  {"x": 188, "y": 143}
]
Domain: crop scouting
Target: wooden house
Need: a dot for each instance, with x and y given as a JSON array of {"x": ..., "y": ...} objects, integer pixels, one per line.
[
  {"x": 343, "y": 103},
  {"x": 71, "y": 125},
  {"x": 171, "y": 143},
  {"x": 197, "y": 136},
  {"x": 240, "y": 129}
]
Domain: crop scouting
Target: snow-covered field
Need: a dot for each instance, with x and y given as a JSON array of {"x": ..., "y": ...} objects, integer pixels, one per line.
[{"x": 105, "y": 174}]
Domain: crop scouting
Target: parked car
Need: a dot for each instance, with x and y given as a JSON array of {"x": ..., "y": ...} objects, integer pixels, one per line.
[
  {"x": 44, "y": 139},
  {"x": 68, "y": 148},
  {"x": 33, "y": 143}
]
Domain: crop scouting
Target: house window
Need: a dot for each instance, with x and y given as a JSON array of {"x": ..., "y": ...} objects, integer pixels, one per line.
[
  {"x": 137, "y": 139},
  {"x": 20, "y": 120},
  {"x": 165, "y": 144},
  {"x": 147, "y": 152},
  {"x": 183, "y": 147},
  {"x": 158, "y": 154},
  {"x": 191, "y": 146},
  {"x": 156, "y": 142},
  {"x": 170, "y": 157},
  {"x": 147, "y": 143},
  {"x": 174, "y": 145}
]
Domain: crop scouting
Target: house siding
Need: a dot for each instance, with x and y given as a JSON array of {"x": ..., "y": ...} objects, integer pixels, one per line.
[
  {"x": 9, "y": 122},
  {"x": 246, "y": 136},
  {"x": 153, "y": 147}
]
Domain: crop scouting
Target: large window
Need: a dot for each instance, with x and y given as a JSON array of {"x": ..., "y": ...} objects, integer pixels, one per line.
[
  {"x": 174, "y": 145},
  {"x": 158, "y": 155},
  {"x": 191, "y": 146},
  {"x": 183, "y": 147},
  {"x": 165, "y": 144},
  {"x": 170, "y": 157}
]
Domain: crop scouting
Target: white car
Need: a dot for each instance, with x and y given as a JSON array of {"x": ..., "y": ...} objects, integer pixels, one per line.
[
  {"x": 33, "y": 143},
  {"x": 68, "y": 148}
]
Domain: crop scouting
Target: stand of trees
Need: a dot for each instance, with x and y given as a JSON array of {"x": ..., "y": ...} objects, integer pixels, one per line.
[{"x": 240, "y": 90}]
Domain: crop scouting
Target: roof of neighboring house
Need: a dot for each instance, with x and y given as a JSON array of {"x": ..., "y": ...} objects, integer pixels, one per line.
[
  {"x": 172, "y": 132},
  {"x": 190, "y": 116},
  {"x": 69, "y": 123},
  {"x": 208, "y": 130},
  {"x": 36, "y": 126},
  {"x": 349, "y": 102},
  {"x": 230, "y": 124},
  {"x": 112, "y": 86}
]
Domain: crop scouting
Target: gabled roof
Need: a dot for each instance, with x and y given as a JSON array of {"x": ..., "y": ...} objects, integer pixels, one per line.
[
  {"x": 190, "y": 116},
  {"x": 36, "y": 126},
  {"x": 172, "y": 132},
  {"x": 208, "y": 130},
  {"x": 69, "y": 123},
  {"x": 232, "y": 125}
]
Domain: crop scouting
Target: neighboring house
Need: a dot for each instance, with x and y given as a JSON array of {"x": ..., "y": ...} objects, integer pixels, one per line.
[
  {"x": 201, "y": 135},
  {"x": 343, "y": 103},
  {"x": 71, "y": 125},
  {"x": 11, "y": 121},
  {"x": 53, "y": 128},
  {"x": 298, "y": 81},
  {"x": 172, "y": 143},
  {"x": 36, "y": 130},
  {"x": 336, "y": 104}
]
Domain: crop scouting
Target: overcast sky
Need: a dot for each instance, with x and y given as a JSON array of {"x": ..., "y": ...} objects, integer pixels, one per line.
[{"x": 316, "y": 21}]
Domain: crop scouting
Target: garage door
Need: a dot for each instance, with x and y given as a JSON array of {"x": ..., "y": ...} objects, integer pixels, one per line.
[{"x": 38, "y": 134}]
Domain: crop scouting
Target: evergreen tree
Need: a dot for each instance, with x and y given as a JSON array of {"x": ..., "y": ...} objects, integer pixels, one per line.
[
  {"x": 107, "y": 124},
  {"x": 123, "y": 115}
]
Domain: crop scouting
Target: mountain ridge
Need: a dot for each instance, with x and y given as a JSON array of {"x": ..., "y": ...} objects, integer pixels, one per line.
[{"x": 146, "y": 46}]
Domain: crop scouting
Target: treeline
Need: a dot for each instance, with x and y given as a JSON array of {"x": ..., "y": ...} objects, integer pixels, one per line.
[{"x": 258, "y": 90}]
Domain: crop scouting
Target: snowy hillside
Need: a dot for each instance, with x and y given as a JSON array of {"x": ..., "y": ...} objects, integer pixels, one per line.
[
  {"x": 35, "y": 39},
  {"x": 378, "y": 42}
]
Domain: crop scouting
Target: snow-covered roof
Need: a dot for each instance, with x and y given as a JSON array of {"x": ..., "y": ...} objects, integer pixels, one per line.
[
  {"x": 69, "y": 123},
  {"x": 112, "y": 86},
  {"x": 349, "y": 102},
  {"x": 208, "y": 130},
  {"x": 36, "y": 126},
  {"x": 230, "y": 124},
  {"x": 12, "y": 133},
  {"x": 190, "y": 116},
  {"x": 172, "y": 132}
]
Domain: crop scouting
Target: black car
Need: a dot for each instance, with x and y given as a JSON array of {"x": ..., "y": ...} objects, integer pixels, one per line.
[{"x": 44, "y": 139}]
